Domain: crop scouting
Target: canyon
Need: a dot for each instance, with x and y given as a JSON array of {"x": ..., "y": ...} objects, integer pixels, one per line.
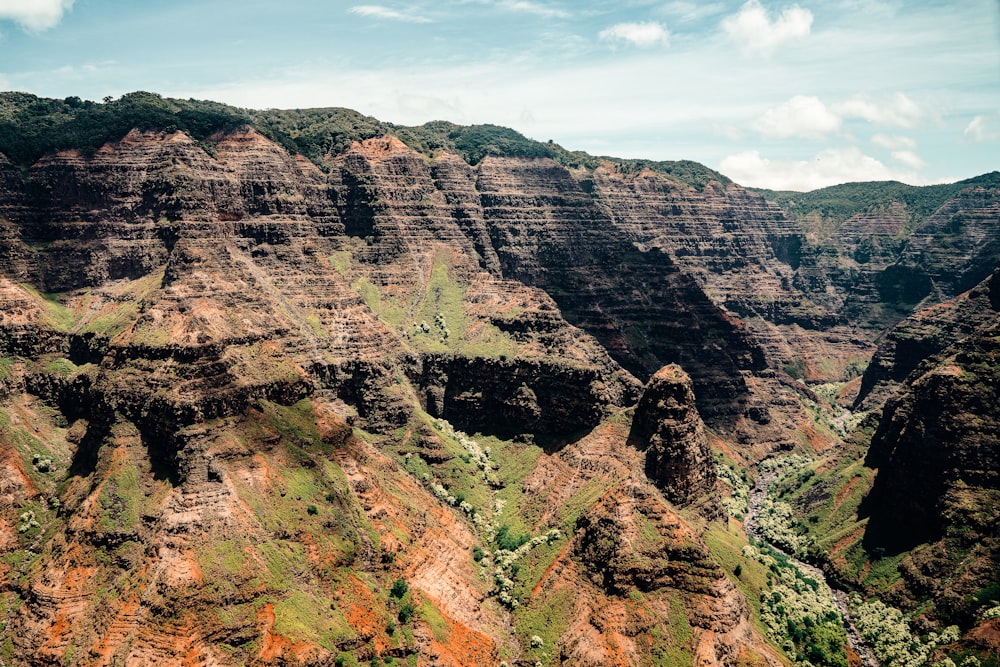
[{"x": 447, "y": 396}]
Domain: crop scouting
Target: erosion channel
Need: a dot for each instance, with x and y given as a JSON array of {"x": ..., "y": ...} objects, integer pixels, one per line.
[{"x": 758, "y": 494}]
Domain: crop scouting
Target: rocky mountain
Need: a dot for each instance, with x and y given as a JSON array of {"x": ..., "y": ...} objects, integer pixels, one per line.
[
  {"x": 939, "y": 433},
  {"x": 242, "y": 354}
]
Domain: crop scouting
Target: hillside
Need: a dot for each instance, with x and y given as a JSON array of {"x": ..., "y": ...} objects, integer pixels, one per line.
[{"x": 303, "y": 387}]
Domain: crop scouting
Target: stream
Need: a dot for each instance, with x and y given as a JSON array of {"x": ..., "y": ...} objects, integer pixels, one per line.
[{"x": 757, "y": 495}]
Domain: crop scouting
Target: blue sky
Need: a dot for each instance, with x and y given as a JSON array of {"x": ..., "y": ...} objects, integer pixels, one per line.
[{"x": 773, "y": 94}]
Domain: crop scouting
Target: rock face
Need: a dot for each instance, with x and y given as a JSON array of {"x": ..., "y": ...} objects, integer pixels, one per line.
[
  {"x": 550, "y": 233},
  {"x": 937, "y": 451},
  {"x": 926, "y": 333},
  {"x": 669, "y": 430},
  {"x": 178, "y": 442},
  {"x": 958, "y": 245},
  {"x": 228, "y": 380},
  {"x": 940, "y": 435}
]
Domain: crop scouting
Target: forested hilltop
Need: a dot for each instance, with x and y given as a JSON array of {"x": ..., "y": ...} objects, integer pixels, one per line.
[{"x": 31, "y": 126}]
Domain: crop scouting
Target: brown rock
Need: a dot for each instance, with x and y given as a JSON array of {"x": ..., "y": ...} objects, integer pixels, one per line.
[{"x": 668, "y": 428}]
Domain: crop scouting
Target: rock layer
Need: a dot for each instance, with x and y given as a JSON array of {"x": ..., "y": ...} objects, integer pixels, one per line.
[{"x": 667, "y": 427}]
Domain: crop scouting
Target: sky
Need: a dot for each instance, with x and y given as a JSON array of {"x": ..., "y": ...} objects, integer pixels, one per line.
[{"x": 771, "y": 93}]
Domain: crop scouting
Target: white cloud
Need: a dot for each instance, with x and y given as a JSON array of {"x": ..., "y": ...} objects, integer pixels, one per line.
[
  {"x": 536, "y": 8},
  {"x": 897, "y": 109},
  {"x": 644, "y": 34},
  {"x": 909, "y": 158},
  {"x": 36, "y": 15},
  {"x": 801, "y": 116},
  {"x": 755, "y": 32},
  {"x": 829, "y": 167},
  {"x": 685, "y": 12},
  {"x": 380, "y": 12},
  {"x": 894, "y": 142},
  {"x": 981, "y": 129}
]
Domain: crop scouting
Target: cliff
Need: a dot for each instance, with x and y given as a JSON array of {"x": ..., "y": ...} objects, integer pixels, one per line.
[
  {"x": 939, "y": 435},
  {"x": 926, "y": 333},
  {"x": 222, "y": 369},
  {"x": 667, "y": 427},
  {"x": 231, "y": 378}
]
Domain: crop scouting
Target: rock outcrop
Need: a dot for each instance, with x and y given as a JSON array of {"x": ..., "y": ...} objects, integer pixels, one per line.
[
  {"x": 668, "y": 428},
  {"x": 937, "y": 492},
  {"x": 940, "y": 435}
]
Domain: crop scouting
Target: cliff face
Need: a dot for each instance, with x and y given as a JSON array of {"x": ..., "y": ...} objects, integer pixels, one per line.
[
  {"x": 939, "y": 432},
  {"x": 219, "y": 440},
  {"x": 925, "y": 333},
  {"x": 939, "y": 435},
  {"x": 550, "y": 233},
  {"x": 669, "y": 430},
  {"x": 958, "y": 245},
  {"x": 229, "y": 382},
  {"x": 878, "y": 266},
  {"x": 936, "y": 450}
]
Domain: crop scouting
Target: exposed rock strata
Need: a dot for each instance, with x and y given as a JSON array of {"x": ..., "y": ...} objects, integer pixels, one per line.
[
  {"x": 926, "y": 333},
  {"x": 940, "y": 435},
  {"x": 667, "y": 427},
  {"x": 183, "y": 407},
  {"x": 548, "y": 232}
]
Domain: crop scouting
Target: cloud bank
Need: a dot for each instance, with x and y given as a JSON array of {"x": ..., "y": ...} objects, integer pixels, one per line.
[{"x": 829, "y": 167}]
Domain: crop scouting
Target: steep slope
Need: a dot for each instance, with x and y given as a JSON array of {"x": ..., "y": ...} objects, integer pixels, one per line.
[
  {"x": 937, "y": 490},
  {"x": 912, "y": 518},
  {"x": 939, "y": 434},
  {"x": 230, "y": 378},
  {"x": 926, "y": 333},
  {"x": 218, "y": 439},
  {"x": 877, "y": 251}
]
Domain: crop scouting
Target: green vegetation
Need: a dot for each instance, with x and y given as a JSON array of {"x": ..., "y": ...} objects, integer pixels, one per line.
[
  {"x": 399, "y": 589},
  {"x": 31, "y": 127},
  {"x": 121, "y": 498},
  {"x": 406, "y": 612},
  {"x": 799, "y": 612},
  {"x": 886, "y": 630},
  {"x": 735, "y": 503},
  {"x": 838, "y": 203},
  {"x": 306, "y": 616},
  {"x": 509, "y": 541},
  {"x": 54, "y": 313}
]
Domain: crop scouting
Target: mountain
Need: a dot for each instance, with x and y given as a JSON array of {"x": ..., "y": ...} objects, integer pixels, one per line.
[{"x": 303, "y": 387}]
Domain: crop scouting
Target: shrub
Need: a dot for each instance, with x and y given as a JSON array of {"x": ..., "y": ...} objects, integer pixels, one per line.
[
  {"x": 399, "y": 589},
  {"x": 312, "y": 509},
  {"x": 406, "y": 612},
  {"x": 509, "y": 541}
]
